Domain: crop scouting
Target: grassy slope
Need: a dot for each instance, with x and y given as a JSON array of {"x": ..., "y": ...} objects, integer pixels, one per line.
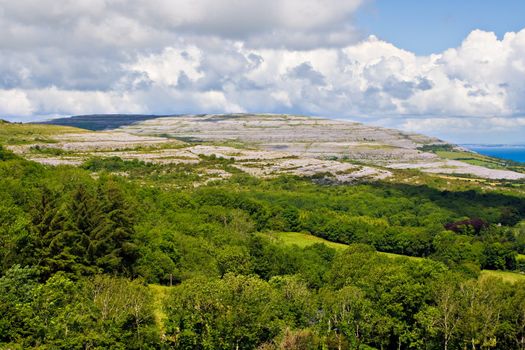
[
  {"x": 16, "y": 134},
  {"x": 507, "y": 276},
  {"x": 303, "y": 240},
  {"x": 159, "y": 293}
]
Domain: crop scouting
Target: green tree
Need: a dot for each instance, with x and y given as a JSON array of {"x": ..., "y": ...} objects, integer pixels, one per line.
[
  {"x": 236, "y": 312},
  {"x": 481, "y": 312},
  {"x": 349, "y": 314},
  {"x": 112, "y": 245},
  {"x": 444, "y": 315},
  {"x": 17, "y": 287}
]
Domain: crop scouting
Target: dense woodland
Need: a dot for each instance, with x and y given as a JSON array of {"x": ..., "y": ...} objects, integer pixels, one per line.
[{"x": 90, "y": 259}]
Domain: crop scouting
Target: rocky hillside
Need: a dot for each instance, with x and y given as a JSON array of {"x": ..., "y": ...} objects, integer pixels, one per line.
[{"x": 264, "y": 145}]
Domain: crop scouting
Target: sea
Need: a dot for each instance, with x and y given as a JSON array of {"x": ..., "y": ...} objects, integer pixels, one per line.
[{"x": 514, "y": 152}]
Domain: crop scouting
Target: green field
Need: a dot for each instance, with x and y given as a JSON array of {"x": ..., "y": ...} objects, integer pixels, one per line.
[
  {"x": 14, "y": 133},
  {"x": 303, "y": 240},
  {"x": 507, "y": 276}
]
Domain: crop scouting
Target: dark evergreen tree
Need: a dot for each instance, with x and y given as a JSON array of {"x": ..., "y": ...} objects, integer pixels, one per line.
[{"x": 112, "y": 246}]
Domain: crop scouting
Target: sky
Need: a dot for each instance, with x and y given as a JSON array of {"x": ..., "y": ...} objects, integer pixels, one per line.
[
  {"x": 451, "y": 69},
  {"x": 425, "y": 27}
]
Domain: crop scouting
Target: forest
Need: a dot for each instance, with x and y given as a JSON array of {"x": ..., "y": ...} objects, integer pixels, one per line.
[{"x": 94, "y": 259}]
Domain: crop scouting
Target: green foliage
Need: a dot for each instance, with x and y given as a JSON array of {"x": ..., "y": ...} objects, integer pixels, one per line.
[
  {"x": 89, "y": 231},
  {"x": 436, "y": 148},
  {"x": 47, "y": 150},
  {"x": 99, "y": 312},
  {"x": 78, "y": 250},
  {"x": 113, "y": 164},
  {"x": 233, "y": 312},
  {"x": 6, "y": 154}
]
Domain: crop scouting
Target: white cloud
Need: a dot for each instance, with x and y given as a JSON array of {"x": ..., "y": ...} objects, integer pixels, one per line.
[
  {"x": 303, "y": 56},
  {"x": 15, "y": 103},
  {"x": 466, "y": 130},
  {"x": 170, "y": 66},
  {"x": 138, "y": 23}
]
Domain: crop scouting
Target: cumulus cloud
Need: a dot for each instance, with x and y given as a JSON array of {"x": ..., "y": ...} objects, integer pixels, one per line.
[
  {"x": 14, "y": 102},
  {"x": 291, "y": 56}
]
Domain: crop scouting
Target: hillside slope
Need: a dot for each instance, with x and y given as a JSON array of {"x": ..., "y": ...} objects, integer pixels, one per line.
[{"x": 269, "y": 144}]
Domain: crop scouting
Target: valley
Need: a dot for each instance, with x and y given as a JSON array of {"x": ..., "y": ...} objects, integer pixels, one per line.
[{"x": 254, "y": 232}]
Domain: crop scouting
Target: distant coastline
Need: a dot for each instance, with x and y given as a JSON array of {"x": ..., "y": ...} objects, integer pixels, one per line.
[{"x": 509, "y": 152}]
